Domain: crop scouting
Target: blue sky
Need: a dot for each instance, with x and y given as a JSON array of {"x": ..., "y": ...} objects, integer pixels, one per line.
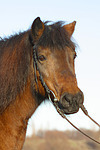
[{"x": 18, "y": 16}]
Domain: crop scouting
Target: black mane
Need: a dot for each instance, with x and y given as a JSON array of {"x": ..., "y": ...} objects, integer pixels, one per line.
[{"x": 55, "y": 36}]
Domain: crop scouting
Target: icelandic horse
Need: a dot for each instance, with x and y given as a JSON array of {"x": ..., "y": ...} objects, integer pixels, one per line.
[{"x": 35, "y": 64}]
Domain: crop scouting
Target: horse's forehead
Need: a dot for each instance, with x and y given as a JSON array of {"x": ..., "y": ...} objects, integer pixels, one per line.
[
  {"x": 57, "y": 54},
  {"x": 60, "y": 53}
]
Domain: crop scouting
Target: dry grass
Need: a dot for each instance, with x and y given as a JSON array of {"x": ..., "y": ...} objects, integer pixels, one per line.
[{"x": 57, "y": 140}]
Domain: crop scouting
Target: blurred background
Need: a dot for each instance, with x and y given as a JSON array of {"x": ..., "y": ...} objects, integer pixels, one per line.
[{"x": 16, "y": 16}]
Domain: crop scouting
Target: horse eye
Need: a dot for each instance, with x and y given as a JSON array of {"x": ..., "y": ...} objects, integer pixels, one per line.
[{"x": 41, "y": 58}]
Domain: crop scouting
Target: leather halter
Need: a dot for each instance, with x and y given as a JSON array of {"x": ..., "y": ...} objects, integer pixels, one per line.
[{"x": 50, "y": 93}]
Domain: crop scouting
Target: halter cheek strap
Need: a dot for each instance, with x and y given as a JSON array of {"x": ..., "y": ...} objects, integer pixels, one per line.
[
  {"x": 52, "y": 97},
  {"x": 50, "y": 93}
]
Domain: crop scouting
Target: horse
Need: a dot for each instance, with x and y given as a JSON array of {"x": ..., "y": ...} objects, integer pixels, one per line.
[{"x": 34, "y": 65}]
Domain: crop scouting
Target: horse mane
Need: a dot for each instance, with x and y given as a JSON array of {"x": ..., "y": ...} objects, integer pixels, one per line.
[
  {"x": 15, "y": 52},
  {"x": 55, "y": 37},
  {"x": 14, "y": 67}
]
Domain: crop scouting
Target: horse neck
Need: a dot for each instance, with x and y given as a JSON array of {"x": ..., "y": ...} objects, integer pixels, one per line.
[{"x": 13, "y": 121}]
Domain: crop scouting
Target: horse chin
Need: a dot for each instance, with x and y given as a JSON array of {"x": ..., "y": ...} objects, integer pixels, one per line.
[{"x": 70, "y": 110}]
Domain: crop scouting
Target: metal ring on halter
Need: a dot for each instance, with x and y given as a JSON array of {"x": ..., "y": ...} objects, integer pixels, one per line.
[{"x": 52, "y": 96}]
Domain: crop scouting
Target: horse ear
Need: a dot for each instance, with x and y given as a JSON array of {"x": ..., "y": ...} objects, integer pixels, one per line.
[
  {"x": 37, "y": 29},
  {"x": 70, "y": 27}
]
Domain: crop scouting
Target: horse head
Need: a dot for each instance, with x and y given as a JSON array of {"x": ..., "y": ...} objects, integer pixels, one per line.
[{"x": 56, "y": 55}]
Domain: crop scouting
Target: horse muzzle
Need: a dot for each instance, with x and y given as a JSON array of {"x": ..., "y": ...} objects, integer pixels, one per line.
[{"x": 70, "y": 103}]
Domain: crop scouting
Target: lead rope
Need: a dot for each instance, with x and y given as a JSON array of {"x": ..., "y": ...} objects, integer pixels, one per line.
[
  {"x": 62, "y": 114},
  {"x": 54, "y": 100},
  {"x": 86, "y": 113}
]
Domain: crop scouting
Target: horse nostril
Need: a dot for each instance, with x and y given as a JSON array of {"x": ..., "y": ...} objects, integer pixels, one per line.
[
  {"x": 79, "y": 97},
  {"x": 66, "y": 99}
]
